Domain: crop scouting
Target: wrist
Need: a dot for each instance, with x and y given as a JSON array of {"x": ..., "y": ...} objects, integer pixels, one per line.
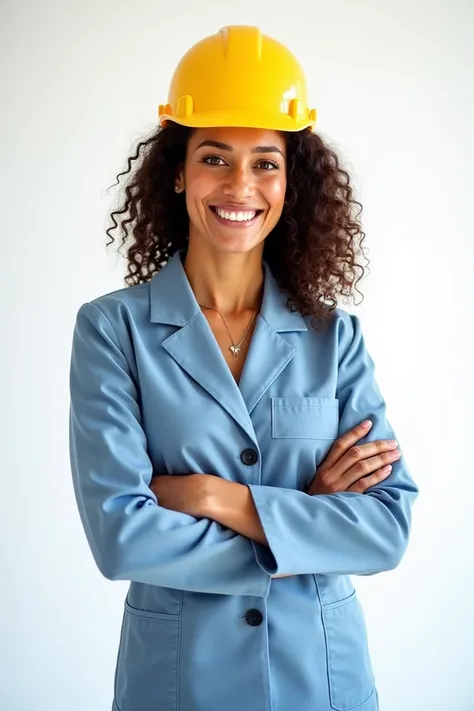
[
  {"x": 209, "y": 503},
  {"x": 221, "y": 498}
]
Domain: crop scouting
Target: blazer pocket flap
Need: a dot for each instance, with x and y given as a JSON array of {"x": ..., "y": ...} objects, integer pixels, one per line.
[{"x": 305, "y": 417}]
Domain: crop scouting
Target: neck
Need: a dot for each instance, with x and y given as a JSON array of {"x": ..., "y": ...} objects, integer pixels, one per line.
[{"x": 230, "y": 282}]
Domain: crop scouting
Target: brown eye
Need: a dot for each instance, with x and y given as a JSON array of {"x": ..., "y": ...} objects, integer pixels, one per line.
[
  {"x": 274, "y": 164},
  {"x": 207, "y": 159}
]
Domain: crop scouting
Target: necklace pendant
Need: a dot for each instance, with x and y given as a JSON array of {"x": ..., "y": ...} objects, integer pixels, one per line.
[{"x": 235, "y": 350}]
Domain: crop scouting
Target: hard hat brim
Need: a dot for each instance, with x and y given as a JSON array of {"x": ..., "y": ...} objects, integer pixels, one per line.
[{"x": 240, "y": 119}]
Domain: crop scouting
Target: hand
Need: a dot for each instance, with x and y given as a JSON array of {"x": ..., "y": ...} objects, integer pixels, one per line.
[
  {"x": 283, "y": 575},
  {"x": 349, "y": 467},
  {"x": 186, "y": 494}
]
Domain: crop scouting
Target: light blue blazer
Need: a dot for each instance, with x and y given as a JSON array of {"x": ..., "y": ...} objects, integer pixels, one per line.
[{"x": 205, "y": 627}]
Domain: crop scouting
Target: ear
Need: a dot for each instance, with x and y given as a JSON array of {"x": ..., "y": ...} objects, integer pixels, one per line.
[{"x": 179, "y": 180}]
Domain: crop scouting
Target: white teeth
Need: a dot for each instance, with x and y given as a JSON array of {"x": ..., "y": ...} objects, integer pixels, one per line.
[{"x": 236, "y": 216}]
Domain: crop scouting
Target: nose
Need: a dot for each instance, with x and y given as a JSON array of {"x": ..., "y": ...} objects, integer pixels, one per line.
[{"x": 239, "y": 183}]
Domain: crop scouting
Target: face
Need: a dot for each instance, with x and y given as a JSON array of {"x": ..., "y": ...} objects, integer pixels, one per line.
[{"x": 235, "y": 183}]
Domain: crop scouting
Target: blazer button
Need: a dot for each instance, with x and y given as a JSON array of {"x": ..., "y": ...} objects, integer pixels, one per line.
[
  {"x": 254, "y": 617},
  {"x": 249, "y": 457}
]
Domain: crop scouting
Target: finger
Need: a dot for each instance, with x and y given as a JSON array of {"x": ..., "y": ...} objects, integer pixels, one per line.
[
  {"x": 361, "y": 486},
  {"x": 346, "y": 450},
  {"x": 345, "y": 442},
  {"x": 364, "y": 467}
]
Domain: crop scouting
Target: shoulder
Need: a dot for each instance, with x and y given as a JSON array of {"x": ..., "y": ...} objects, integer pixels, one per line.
[
  {"x": 118, "y": 307},
  {"x": 130, "y": 297},
  {"x": 340, "y": 338},
  {"x": 340, "y": 326}
]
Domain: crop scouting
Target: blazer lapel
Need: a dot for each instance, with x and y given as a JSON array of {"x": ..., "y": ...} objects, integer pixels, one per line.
[{"x": 196, "y": 350}]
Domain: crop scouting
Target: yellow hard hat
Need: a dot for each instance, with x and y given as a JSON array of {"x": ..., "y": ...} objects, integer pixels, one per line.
[{"x": 238, "y": 77}]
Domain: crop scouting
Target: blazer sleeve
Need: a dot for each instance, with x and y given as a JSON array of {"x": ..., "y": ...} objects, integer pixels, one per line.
[
  {"x": 346, "y": 532},
  {"x": 130, "y": 535}
]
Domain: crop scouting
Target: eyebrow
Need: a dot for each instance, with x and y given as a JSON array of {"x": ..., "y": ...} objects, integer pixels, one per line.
[{"x": 226, "y": 147}]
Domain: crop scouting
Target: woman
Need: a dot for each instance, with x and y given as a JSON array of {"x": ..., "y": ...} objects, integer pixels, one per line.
[{"x": 220, "y": 455}]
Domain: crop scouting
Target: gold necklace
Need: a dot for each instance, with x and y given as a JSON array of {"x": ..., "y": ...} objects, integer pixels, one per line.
[{"x": 235, "y": 347}]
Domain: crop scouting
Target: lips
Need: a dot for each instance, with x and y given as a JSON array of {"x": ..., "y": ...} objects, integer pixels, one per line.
[
  {"x": 235, "y": 223},
  {"x": 236, "y": 207}
]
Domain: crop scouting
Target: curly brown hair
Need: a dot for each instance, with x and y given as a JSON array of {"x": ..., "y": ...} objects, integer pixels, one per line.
[{"x": 312, "y": 250}]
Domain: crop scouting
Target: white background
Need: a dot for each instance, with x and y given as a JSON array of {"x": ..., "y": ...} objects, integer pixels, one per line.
[{"x": 393, "y": 85}]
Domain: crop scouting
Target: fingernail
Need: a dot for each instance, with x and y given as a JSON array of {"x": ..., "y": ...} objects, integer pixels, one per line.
[{"x": 366, "y": 423}]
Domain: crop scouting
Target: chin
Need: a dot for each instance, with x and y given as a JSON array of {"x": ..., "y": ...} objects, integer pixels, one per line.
[{"x": 234, "y": 245}]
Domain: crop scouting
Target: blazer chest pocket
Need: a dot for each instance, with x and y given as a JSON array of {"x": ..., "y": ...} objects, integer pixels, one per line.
[{"x": 305, "y": 417}]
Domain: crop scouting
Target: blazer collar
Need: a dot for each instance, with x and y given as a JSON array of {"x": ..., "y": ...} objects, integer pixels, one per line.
[
  {"x": 172, "y": 299},
  {"x": 196, "y": 351}
]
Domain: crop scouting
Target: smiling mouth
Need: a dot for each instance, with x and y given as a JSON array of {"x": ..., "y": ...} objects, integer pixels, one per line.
[{"x": 239, "y": 217}]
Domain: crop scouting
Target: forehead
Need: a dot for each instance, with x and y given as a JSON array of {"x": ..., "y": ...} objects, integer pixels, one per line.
[{"x": 240, "y": 139}]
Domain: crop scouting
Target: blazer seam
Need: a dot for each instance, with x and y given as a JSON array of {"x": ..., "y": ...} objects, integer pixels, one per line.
[{"x": 116, "y": 338}]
